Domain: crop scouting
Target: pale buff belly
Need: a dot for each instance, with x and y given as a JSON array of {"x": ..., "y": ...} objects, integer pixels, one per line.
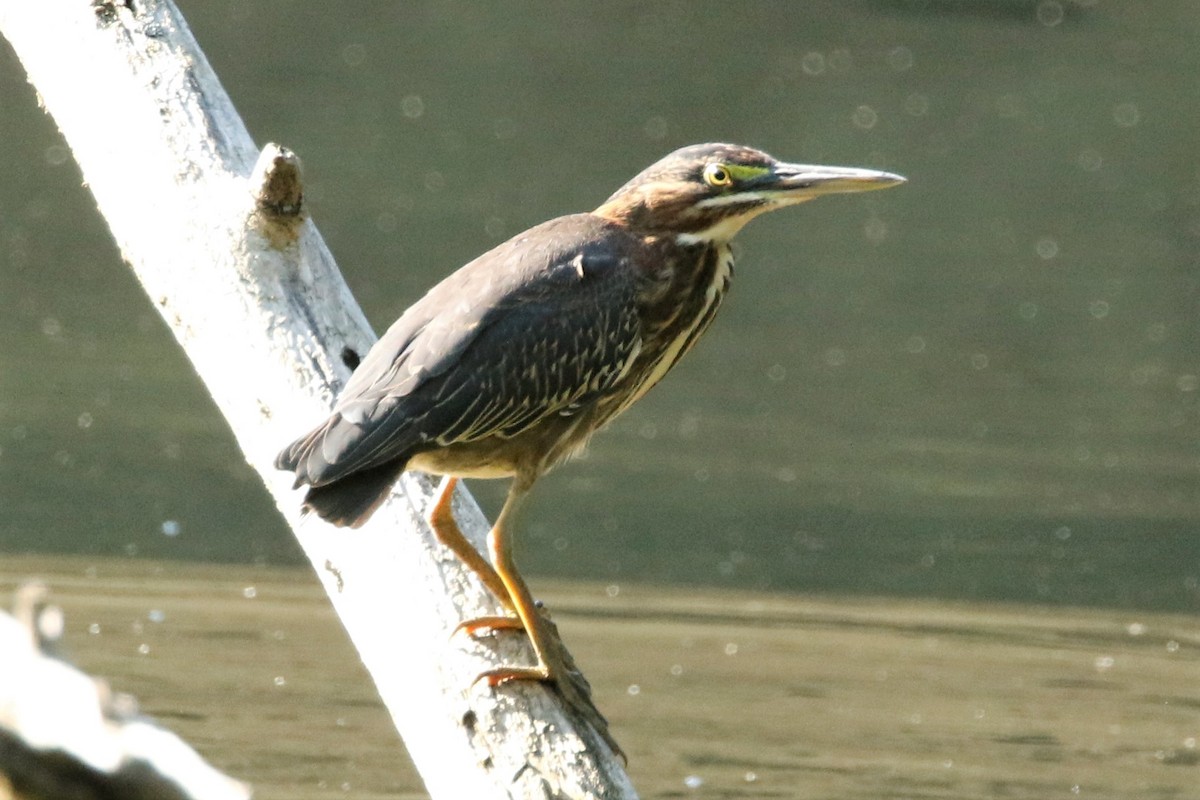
[{"x": 528, "y": 454}]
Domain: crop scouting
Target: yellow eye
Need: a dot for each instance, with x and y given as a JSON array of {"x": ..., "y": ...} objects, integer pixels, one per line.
[{"x": 717, "y": 175}]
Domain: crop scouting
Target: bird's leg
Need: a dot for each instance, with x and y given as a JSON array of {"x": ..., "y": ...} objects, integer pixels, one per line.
[
  {"x": 545, "y": 644},
  {"x": 441, "y": 519},
  {"x": 554, "y": 663}
]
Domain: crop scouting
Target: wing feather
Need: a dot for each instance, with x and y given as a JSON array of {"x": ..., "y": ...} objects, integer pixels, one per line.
[{"x": 539, "y": 326}]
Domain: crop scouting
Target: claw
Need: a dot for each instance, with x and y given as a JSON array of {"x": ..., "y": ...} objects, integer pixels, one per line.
[
  {"x": 497, "y": 623},
  {"x": 495, "y": 677}
]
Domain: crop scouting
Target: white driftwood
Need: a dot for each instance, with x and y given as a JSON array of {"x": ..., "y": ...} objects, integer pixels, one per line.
[
  {"x": 253, "y": 296},
  {"x": 64, "y": 733}
]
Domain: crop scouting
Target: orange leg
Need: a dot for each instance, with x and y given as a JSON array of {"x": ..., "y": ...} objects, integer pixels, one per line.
[
  {"x": 554, "y": 663},
  {"x": 441, "y": 519},
  {"x": 529, "y": 616}
]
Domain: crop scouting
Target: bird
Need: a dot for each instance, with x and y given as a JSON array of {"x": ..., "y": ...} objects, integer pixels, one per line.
[{"x": 507, "y": 367}]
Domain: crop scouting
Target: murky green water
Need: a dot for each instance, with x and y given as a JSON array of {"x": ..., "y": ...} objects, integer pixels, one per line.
[
  {"x": 721, "y": 695},
  {"x": 981, "y": 385}
]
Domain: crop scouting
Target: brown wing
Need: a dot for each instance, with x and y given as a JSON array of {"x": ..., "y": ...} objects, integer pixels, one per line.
[{"x": 540, "y": 325}]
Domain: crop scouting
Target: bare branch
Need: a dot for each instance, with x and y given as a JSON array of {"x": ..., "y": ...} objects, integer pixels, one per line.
[{"x": 249, "y": 289}]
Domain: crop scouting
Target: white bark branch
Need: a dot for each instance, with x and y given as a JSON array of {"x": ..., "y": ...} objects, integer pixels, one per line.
[
  {"x": 256, "y": 301},
  {"x": 64, "y": 733}
]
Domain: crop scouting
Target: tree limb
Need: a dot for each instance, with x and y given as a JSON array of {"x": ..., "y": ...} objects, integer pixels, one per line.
[{"x": 217, "y": 236}]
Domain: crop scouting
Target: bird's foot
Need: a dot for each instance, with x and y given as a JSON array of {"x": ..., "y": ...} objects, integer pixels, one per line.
[
  {"x": 480, "y": 626},
  {"x": 556, "y": 668}
]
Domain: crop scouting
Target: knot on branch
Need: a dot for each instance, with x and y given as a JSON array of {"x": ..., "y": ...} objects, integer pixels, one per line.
[
  {"x": 107, "y": 11},
  {"x": 278, "y": 194}
]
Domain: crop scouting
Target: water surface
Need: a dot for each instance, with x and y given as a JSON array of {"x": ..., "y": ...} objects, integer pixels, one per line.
[
  {"x": 712, "y": 694},
  {"x": 982, "y": 385}
]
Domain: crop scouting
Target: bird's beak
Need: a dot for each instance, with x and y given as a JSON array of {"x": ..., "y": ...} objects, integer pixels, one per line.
[{"x": 795, "y": 183}]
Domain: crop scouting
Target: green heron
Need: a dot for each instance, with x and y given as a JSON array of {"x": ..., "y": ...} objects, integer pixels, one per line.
[{"x": 509, "y": 365}]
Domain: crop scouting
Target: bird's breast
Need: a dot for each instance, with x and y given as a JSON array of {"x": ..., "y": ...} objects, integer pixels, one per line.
[{"x": 689, "y": 296}]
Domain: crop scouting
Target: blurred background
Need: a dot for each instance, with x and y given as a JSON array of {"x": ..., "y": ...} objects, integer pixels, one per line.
[{"x": 981, "y": 385}]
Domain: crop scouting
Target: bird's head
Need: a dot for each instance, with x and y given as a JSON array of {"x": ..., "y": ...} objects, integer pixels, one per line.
[{"x": 707, "y": 192}]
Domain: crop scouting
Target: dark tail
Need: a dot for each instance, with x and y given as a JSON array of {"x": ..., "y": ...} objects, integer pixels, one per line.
[
  {"x": 343, "y": 494},
  {"x": 350, "y": 501}
]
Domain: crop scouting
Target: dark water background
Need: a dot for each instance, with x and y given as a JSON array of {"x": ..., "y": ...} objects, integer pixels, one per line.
[{"x": 982, "y": 385}]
